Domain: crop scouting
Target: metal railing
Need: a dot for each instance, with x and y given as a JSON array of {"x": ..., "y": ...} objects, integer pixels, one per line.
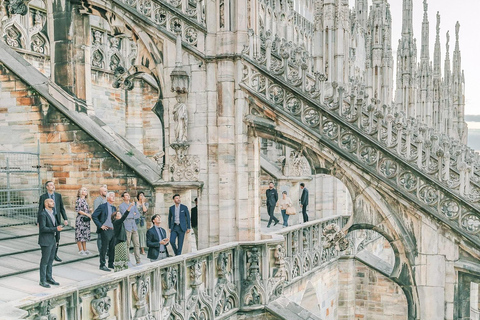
[{"x": 20, "y": 187}]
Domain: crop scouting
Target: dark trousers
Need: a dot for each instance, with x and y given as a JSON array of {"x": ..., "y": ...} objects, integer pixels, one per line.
[
  {"x": 48, "y": 253},
  {"x": 57, "y": 240},
  {"x": 304, "y": 212},
  {"x": 270, "y": 210},
  {"x": 177, "y": 232},
  {"x": 108, "y": 245},
  {"x": 285, "y": 217}
]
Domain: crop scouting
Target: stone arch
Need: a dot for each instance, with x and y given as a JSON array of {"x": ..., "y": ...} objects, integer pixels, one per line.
[
  {"x": 149, "y": 56},
  {"x": 147, "y": 67},
  {"x": 384, "y": 221},
  {"x": 371, "y": 213}
]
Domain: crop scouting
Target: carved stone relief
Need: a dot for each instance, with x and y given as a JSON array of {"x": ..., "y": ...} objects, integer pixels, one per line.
[
  {"x": 199, "y": 303},
  {"x": 101, "y": 304},
  {"x": 225, "y": 293},
  {"x": 141, "y": 293}
]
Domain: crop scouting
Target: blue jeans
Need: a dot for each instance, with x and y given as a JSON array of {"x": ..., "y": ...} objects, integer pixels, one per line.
[{"x": 285, "y": 218}]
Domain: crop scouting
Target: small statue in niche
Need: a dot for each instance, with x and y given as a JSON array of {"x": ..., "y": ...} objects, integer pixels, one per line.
[{"x": 180, "y": 116}]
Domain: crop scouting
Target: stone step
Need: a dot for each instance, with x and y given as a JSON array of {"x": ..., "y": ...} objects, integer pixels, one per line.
[
  {"x": 29, "y": 242},
  {"x": 27, "y": 261},
  {"x": 286, "y": 309},
  {"x": 7, "y": 221},
  {"x": 13, "y": 232},
  {"x": 20, "y": 252}
]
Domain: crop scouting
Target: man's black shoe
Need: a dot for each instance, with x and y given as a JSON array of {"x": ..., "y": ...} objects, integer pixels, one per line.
[
  {"x": 103, "y": 268},
  {"x": 111, "y": 267},
  {"x": 55, "y": 283},
  {"x": 275, "y": 223},
  {"x": 58, "y": 259},
  {"x": 44, "y": 284}
]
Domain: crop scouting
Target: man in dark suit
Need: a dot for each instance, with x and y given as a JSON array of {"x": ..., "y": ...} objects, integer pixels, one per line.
[
  {"x": 304, "y": 201},
  {"x": 178, "y": 223},
  {"x": 157, "y": 240},
  {"x": 102, "y": 217},
  {"x": 272, "y": 198},
  {"x": 47, "y": 227},
  {"x": 58, "y": 210}
]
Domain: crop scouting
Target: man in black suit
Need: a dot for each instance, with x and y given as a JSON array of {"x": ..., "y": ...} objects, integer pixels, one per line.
[
  {"x": 47, "y": 227},
  {"x": 157, "y": 240},
  {"x": 58, "y": 210},
  {"x": 272, "y": 198},
  {"x": 102, "y": 217},
  {"x": 304, "y": 201},
  {"x": 178, "y": 223}
]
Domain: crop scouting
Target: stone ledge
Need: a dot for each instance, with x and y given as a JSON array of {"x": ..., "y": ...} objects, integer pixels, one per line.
[{"x": 287, "y": 309}]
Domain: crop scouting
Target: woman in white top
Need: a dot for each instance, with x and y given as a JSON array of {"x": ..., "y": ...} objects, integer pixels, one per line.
[{"x": 284, "y": 203}]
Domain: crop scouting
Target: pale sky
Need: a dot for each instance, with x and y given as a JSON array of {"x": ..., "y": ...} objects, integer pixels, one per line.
[{"x": 467, "y": 12}]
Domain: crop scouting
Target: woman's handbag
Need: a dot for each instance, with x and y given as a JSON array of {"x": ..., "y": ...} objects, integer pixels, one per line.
[
  {"x": 291, "y": 211},
  {"x": 85, "y": 218}
]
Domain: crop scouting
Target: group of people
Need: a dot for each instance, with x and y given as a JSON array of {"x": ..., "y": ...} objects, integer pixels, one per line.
[
  {"x": 284, "y": 203},
  {"x": 116, "y": 229}
]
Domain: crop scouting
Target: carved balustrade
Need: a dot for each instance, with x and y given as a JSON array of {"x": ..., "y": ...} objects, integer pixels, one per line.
[
  {"x": 436, "y": 173},
  {"x": 211, "y": 284},
  {"x": 172, "y": 16},
  {"x": 435, "y": 154}
]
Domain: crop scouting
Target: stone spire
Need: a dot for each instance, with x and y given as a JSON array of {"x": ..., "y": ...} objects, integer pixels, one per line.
[
  {"x": 424, "y": 107},
  {"x": 458, "y": 88},
  {"x": 407, "y": 24},
  {"x": 425, "y": 52},
  {"x": 457, "y": 59},
  {"x": 437, "y": 54},
  {"x": 406, "y": 65},
  {"x": 379, "y": 75},
  {"x": 447, "y": 72},
  {"x": 361, "y": 10},
  {"x": 437, "y": 79}
]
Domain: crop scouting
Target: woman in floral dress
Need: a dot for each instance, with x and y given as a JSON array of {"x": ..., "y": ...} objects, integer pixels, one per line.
[
  {"x": 82, "y": 222},
  {"x": 142, "y": 206}
]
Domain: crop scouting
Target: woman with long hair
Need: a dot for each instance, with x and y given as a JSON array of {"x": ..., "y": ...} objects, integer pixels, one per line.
[
  {"x": 121, "y": 250},
  {"x": 82, "y": 222},
  {"x": 142, "y": 206}
]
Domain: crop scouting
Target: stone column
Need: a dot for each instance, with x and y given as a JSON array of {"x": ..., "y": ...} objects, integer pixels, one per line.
[
  {"x": 70, "y": 38},
  {"x": 432, "y": 273}
]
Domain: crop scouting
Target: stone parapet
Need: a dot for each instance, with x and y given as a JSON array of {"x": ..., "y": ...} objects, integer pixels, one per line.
[{"x": 213, "y": 283}]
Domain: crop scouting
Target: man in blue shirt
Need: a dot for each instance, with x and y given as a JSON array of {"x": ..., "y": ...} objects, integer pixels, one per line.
[
  {"x": 130, "y": 225},
  {"x": 157, "y": 240}
]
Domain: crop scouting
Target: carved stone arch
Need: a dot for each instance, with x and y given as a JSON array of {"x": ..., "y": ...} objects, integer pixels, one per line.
[
  {"x": 148, "y": 61},
  {"x": 399, "y": 239},
  {"x": 15, "y": 35},
  {"x": 39, "y": 43},
  {"x": 98, "y": 58},
  {"x": 383, "y": 222},
  {"x": 149, "y": 55},
  {"x": 318, "y": 163}
]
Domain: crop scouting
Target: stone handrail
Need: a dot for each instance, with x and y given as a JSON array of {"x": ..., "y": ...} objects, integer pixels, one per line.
[
  {"x": 172, "y": 17},
  {"x": 358, "y": 133},
  {"x": 214, "y": 283},
  {"x": 445, "y": 159}
]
